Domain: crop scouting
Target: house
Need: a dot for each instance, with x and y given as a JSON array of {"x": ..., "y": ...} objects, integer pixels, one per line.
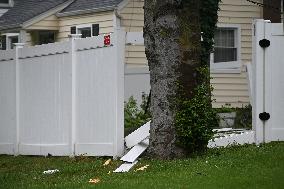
[
  {"x": 36, "y": 22},
  {"x": 5, "y": 5}
]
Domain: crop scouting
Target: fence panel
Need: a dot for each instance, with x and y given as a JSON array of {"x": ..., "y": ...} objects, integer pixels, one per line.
[
  {"x": 95, "y": 100},
  {"x": 7, "y": 102},
  {"x": 45, "y": 99},
  {"x": 63, "y": 98},
  {"x": 267, "y": 95}
]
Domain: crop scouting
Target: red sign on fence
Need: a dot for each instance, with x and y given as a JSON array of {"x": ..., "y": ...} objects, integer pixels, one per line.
[{"x": 107, "y": 40}]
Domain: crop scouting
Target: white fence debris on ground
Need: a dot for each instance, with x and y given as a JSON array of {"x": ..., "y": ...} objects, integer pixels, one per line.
[
  {"x": 238, "y": 138},
  {"x": 138, "y": 141},
  {"x": 64, "y": 98}
]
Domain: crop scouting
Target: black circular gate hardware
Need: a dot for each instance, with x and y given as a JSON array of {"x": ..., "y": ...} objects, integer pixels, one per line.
[
  {"x": 264, "y": 43},
  {"x": 264, "y": 116}
]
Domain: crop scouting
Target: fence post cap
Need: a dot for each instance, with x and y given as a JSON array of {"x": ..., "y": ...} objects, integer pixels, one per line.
[
  {"x": 74, "y": 36},
  {"x": 19, "y": 45}
]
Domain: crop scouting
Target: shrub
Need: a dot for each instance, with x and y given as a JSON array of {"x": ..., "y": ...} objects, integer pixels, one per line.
[
  {"x": 196, "y": 118},
  {"x": 134, "y": 116}
]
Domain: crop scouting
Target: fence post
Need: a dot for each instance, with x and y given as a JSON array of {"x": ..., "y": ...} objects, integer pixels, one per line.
[
  {"x": 73, "y": 37},
  {"x": 18, "y": 46},
  {"x": 259, "y": 79},
  {"x": 119, "y": 45}
]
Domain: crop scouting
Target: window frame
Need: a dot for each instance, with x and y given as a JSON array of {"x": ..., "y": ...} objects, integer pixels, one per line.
[
  {"x": 90, "y": 25},
  {"x": 78, "y": 27},
  {"x": 231, "y": 65},
  {"x": 8, "y": 39}
]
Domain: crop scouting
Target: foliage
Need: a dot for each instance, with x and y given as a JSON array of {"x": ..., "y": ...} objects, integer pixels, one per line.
[
  {"x": 133, "y": 116},
  {"x": 208, "y": 20},
  {"x": 225, "y": 109},
  {"x": 196, "y": 118},
  {"x": 244, "y": 117}
]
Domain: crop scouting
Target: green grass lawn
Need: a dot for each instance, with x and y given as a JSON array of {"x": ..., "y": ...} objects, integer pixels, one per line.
[{"x": 236, "y": 167}]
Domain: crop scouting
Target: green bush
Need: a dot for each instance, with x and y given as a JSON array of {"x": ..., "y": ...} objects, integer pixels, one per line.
[
  {"x": 134, "y": 116},
  {"x": 196, "y": 118},
  {"x": 225, "y": 109}
]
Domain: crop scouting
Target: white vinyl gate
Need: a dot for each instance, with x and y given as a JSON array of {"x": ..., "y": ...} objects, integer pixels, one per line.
[
  {"x": 268, "y": 81},
  {"x": 63, "y": 98}
]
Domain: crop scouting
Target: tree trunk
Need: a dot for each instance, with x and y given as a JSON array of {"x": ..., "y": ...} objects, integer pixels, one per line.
[{"x": 172, "y": 41}]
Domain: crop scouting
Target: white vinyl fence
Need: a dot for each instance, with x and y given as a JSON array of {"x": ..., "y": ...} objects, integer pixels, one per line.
[
  {"x": 267, "y": 81},
  {"x": 63, "y": 98}
]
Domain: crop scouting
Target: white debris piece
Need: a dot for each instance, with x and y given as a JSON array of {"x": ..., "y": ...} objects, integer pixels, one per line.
[
  {"x": 140, "y": 142},
  {"x": 136, "y": 151},
  {"x": 222, "y": 130},
  {"x": 138, "y": 135},
  {"x": 125, "y": 167},
  {"x": 232, "y": 139},
  {"x": 49, "y": 172}
]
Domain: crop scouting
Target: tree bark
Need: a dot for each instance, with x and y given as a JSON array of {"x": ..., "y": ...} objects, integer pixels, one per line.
[{"x": 172, "y": 41}]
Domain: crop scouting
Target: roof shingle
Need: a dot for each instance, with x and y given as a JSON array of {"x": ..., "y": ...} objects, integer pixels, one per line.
[{"x": 25, "y": 10}]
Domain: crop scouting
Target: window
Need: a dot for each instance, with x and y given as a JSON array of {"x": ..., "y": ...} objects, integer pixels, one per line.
[
  {"x": 226, "y": 48},
  {"x": 12, "y": 40},
  {"x": 45, "y": 37},
  {"x": 87, "y": 30},
  {"x": 8, "y": 40}
]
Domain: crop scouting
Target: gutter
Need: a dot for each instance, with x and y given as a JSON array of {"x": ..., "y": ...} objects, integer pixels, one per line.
[{"x": 87, "y": 11}]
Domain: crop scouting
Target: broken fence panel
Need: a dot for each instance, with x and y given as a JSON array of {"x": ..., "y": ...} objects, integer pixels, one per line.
[
  {"x": 136, "y": 151},
  {"x": 138, "y": 135},
  {"x": 125, "y": 167}
]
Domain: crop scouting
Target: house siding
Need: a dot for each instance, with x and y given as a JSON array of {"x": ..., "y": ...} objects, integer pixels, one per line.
[
  {"x": 133, "y": 21},
  {"x": 105, "y": 19},
  {"x": 233, "y": 88},
  {"x": 49, "y": 23},
  {"x": 229, "y": 88}
]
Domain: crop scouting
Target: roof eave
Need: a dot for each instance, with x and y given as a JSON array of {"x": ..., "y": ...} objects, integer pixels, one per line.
[{"x": 87, "y": 11}]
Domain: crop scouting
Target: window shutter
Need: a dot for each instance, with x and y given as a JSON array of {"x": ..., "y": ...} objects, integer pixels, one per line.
[
  {"x": 96, "y": 29},
  {"x": 3, "y": 42},
  {"x": 73, "y": 30}
]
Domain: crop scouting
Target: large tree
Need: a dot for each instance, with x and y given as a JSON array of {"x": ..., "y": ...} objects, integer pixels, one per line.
[{"x": 172, "y": 34}]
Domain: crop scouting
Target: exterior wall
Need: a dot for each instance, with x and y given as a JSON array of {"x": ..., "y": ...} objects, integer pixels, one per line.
[
  {"x": 232, "y": 88},
  {"x": 229, "y": 87},
  {"x": 241, "y": 12},
  {"x": 49, "y": 23},
  {"x": 105, "y": 19},
  {"x": 63, "y": 24},
  {"x": 133, "y": 21},
  {"x": 29, "y": 41}
]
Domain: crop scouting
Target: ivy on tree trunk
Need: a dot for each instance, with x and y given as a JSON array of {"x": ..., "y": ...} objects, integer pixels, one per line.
[{"x": 172, "y": 33}]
